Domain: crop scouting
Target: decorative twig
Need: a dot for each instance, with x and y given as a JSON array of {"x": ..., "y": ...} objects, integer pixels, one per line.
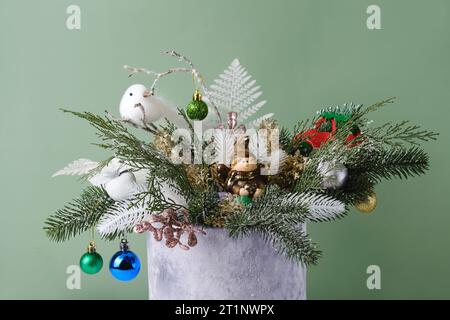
[
  {"x": 157, "y": 75},
  {"x": 191, "y": 69}
]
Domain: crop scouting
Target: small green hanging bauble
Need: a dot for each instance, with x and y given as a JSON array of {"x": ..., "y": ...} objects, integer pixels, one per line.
[
  {"x": 91, "y": 262},
  {"x": 244, "y": 200},
  {"x": 197, "y": 109},
  {"x": 305, "y": 148}
]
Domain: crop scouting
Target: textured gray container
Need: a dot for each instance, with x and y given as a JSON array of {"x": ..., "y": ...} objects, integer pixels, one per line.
[{"x": 220, "y": 267}]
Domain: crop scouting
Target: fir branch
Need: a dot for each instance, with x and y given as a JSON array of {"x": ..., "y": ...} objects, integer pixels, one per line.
[
  {"x": 160, "y": 195},
  {"x": 322, "y": 207},
  {"x": 286, "y": 141},
  {"x": 102, "y": 164},
  {"x": 356, "y": 189},
  {"x": 344, "y": 111},
  {"x": 79, "y": 215},
  {"x": 204, "y": 203},
  {"x": 358, "y": 119},
  {"x": 387, "y": 164},
  {"x": 278, "y": 217},
  {"x": 361, "y": 112},
  {"x": 394, "y": 134},
  {"x": 336, "y": 149},
  {"x": 311, "y": 179},
  {"x": 136, "y": 153}
]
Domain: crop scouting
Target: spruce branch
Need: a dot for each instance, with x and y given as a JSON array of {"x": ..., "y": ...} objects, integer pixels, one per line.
[
  {"x": 322, "y": 207},
  {"x": 393, "y": 163},
  {"x": 160, "y": 194},
  {"x": 356, "y": 189},
  {"x": 361, "y": 112},
  {"x": 136, "y": 153},
  {"x": 394, "y": 134},
  {"x": 78, "y": 216},
  {"x": 147, "y": 127},
  {"x": 204, "y": 203},
  {"x": 286, "y": 138},
  {"x": 278, "y": 216}
]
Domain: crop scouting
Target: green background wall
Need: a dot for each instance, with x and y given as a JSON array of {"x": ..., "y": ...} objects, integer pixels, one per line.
[{"x": 304, "y": 54}]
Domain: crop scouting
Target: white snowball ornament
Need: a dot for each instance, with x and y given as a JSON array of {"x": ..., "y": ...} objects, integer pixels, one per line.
[{"x": 122, "y": 187}]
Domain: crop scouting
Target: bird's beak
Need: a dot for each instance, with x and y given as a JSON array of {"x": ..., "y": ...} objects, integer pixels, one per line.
[{"x": 147, "y": 94}]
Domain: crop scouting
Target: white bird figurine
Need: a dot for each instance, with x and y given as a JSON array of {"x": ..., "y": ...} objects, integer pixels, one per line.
[{"x": 140, "y": 107}]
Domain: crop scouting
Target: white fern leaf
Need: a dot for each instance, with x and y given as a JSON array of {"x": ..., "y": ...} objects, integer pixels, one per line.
[
  {"x": 257, "y": 122},
  {"x": 251, "y": 110},
  {"x": 77, "y": 168},
  {"x": 235, "y": 90},
  {"x": 121, "y": 217}
]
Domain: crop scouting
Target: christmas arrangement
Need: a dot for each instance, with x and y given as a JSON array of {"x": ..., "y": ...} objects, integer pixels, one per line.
[{"x": 220, "y": 163}]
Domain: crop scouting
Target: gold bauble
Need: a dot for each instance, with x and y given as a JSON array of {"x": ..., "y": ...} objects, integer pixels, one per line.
[{"x": 368, "y": 205}]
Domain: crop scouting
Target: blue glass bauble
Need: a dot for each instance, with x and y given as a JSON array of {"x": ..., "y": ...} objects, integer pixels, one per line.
[{"x": 124, "y": 265}]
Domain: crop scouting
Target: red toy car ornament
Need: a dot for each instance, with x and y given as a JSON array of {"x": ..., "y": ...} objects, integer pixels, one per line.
[{"x": 315, "y": 138}]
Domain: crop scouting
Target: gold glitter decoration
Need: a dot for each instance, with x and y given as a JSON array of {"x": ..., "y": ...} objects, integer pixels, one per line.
[
  {"x": 268, "y": 124},
  {"x": 163, "y": 141},
  {"x": 197, "y": 175},
  {"x": 291, "y": 170},
  {"x": 226, "y": 207}
]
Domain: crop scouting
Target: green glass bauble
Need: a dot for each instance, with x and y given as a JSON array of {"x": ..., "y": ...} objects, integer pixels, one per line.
[
  {"x": 245, "y": 200},
  {"x": 305, "y": 148},
  {"x": 91, "y": 262},
  {"x": 355, "y": 129},
  {"x": 197, "y": 109}
]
